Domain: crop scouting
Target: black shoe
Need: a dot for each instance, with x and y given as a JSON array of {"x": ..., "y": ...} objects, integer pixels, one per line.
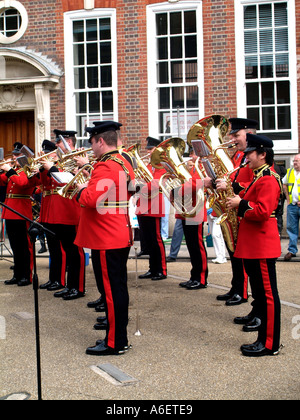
[
  {"x": 252, "y": 325},
  {"x": 159, "y": 276},
  {"x": 101, "y": 319},
  {"x": 56, "y": 285},
  {"x": 147, "y": 275},
  {"x": 227, "y": 296},
  {"x": 170, "y": 259},
  {"x": 103, "y": 350},
  {"x": 100, "y": 308},
  {"x": 185, "y": 283},
  {"x": 45, "y": 285},
  {"x": 101, "y": 325},
  {"x": 235, "y": 300},
  {"x": 194, "y": 285},
  {"x": 62, "y": 293},
  {"x": 42, "y": 250},
  {"x": 73, "y": 294},
  {"x": 24, "y": 282},
  {"x": 242, "y": 320},
  {"x": 11, "y": 281},
  {"x": 95, "y": 303},
  {"x": 125, "y": 348},
  {"x": 257, "y": 349},
  {"x": 139, "y": 254}
]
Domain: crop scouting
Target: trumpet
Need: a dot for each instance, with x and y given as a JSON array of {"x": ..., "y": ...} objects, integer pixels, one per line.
[
  {"x": 5, "y": 162},
  {"x": 31, "y": 165},
  {"x": 70, "y": 190}
]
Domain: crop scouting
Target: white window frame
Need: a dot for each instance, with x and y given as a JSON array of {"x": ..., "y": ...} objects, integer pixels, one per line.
[
  {"x": 280, "y": 146},
  {"x": 70, "y": 96},
  {"x": 12, "y": 4},
  {"x": 152, "y": 58}
]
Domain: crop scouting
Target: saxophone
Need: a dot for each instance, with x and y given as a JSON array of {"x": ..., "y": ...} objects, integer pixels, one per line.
[{"x": 207, "y": 139}]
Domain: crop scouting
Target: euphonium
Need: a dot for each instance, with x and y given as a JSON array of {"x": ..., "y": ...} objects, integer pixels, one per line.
[
  {"x": 140, "y": 169},
  {"x": 215, "y": 162},
  {"x": 70, "y": 190},
  {"x": 168, "y": 155},
  {"x": 67, "y": 162}
]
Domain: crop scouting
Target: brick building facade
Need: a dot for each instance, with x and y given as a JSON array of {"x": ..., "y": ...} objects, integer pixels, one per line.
[{"x": 152, "y": 64}]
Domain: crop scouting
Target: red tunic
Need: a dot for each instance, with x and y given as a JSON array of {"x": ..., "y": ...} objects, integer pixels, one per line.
[
  {"x": 258, "y": 236},
  {"x": 18, "y": 194},
  {"x": 104, "y": 222}
]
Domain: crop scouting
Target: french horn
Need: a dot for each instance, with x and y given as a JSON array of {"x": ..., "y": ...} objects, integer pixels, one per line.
[{"x": 168, "y": 155}]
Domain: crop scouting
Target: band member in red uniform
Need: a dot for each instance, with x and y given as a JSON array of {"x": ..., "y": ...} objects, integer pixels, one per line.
[
  {"x": 63, "y": 216},
  {"x": 57, "y": 269},
  {"x": 193, "y": 232},
  {"x": 239, "y": 284},
  {"x": 104, "y": 228},
  {"x": 150, "y": 210},
  {"x": 258, "y": 242},
  {"x": 18, "y": 197}
]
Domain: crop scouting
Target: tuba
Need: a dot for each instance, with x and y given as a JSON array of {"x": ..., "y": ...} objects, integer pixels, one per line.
[
  {"x": 168, "y": 155},
  {"x": 207, "y": 139},
  {"x": 140, "y": 169},
  {"x": 70, "y": 190}
]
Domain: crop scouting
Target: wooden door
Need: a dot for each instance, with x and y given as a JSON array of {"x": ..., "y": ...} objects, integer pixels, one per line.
[{"x": 16, "y": 126}]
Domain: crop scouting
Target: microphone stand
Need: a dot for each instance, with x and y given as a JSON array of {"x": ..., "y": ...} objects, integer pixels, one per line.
[{"x": 34, "y": 230}]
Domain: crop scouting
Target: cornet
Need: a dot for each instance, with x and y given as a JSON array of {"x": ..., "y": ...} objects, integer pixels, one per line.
[
  {"x": 67, "y": 162},
  {"x": 70, "y": 190}
]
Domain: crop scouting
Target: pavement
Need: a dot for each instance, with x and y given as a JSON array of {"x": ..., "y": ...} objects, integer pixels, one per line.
[{"x": 185, "y": 346}]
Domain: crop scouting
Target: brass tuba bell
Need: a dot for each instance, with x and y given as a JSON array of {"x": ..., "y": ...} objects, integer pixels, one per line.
[{"x": 168, "y": 155}]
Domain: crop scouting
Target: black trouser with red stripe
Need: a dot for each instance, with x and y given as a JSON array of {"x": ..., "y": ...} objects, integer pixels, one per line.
[
  {"x": 150, "y": 227},
  {"x": 66, "y": 234},
  {"x": 20, "y": 242},
  {"x": 57, "y": 271},
  {"x": 239, "y": 282},
  {"x": 266, "y": 304},
  {"x": 193, "y": 233},
  {"x": 110, "y": 269}
]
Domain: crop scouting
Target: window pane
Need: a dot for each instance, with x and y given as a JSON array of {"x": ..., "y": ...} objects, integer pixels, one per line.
[
  {"x": 176, "y": 72},
  {"x": 107, "y": 101},
  {"x": 163, "y": 73},
  {"x": 191, "y": 46},
  {"x": 81, "y": 103},
  {"x": 251, "y": 67},
  {"x": 267, "y": 93},
  {"x": 266, "y": 41},
  {"x": 105, "y": 29},
  {"x": 191, "y": 96},
  {"x": 92, "y": 74},
  {"x": 162, "y": 44},
  {"x": 92, "y": 53},
  {"x": 105, "y": 52},
  {"x": 162, "y": 24},
  {"x": 178, "y": 97},
  {"x": 266, "y": 66},
  {"x": 175, "y": 23},
  {"x": 176, "y": 47},
  {"x": 191, "y": 71},
  {"x": 78, "y": 31},
  {"x": 94, "y": 102},
  {"x": 265, "y": 16},
  {"x": 280, "y": 12},
  {"x": 106, "y": 77},
  {"x": 78, "y": 55},
  {"x": 250, "y": 17},
  {"x": 164, "y": 98},
  {"x": 250, "y": 42},
  {"x": 91, "y": 30},
  {"x": 189, "y": 22},
  {"x": 284, "y": 117},
  {"x": 281, "y": 39},
  {"x": 253, "y": 114},
  {"x": 79, "y": 78},
  {"x": 268, "y": 115},
  {"x": 282, "y": 65},
  {"x": 283, "y": 92},
  {"x": 252, "y": 93}
]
